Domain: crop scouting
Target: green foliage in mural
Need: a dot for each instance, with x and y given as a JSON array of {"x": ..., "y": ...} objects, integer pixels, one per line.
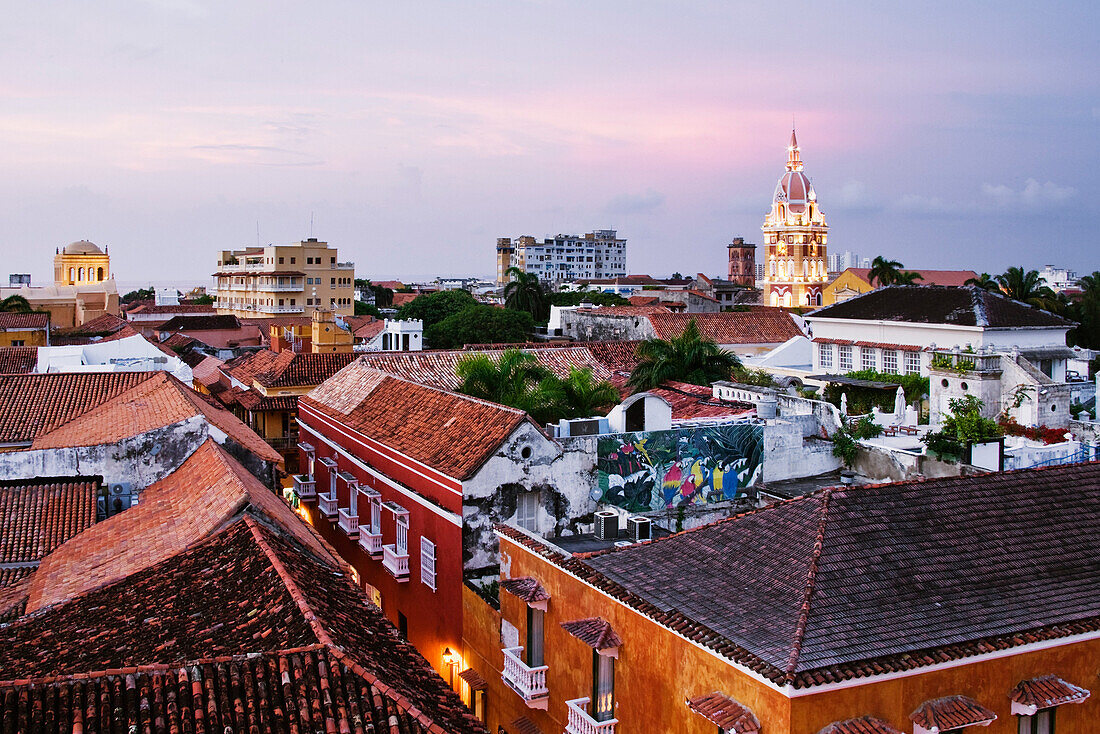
[{"x": 661, "y": 469}]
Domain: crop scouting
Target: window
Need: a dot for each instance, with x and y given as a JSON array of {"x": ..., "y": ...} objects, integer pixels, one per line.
[
  {"x": 912, "y": 363},
  {"x": 18, "y": 342},
  {"x": 603, "y": 687},
  {"x": 427, "y": 562},
  {"x": 890, "y": 361},
  {"x": 402, "y": 626},
  {"x": 527, "y": 506},
  {"x": 332, "y": 260},
  {"x": 402, "y": 526},
  {"x": 333, "y": 281},
  {"x": 825, "y": 355},
  {"x": 845, "y": 358},
  {"x": 868, "y": 359},
  {"x": 535, "y": 636},
  {"x": 280, "y": 261},
  {"x": 1042, "y": 722},
  {"x": 293, "y": 260}
]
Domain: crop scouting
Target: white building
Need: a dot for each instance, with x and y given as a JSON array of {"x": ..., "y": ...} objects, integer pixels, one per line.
[
  {"x": 597, "y": 254},
  {"x": 396, "y": 336},
  {"x": 1057, "y": 279}
]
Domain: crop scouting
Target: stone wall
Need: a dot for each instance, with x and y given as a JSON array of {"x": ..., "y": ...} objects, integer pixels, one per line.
[{"x": 588, "y": 326}]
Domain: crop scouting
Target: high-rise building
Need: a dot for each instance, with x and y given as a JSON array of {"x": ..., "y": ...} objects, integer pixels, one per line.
[
  {"x": 795, "y": 235},
  {"x": 284, "y": 279},
  {"x": 595, "y": 255},
  {"x": 742, "y": 262}
]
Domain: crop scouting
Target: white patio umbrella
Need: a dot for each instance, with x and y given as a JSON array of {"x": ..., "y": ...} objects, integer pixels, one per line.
[
  {"x": 844, "y": 403},
  {"x": 899, "y": 406}
]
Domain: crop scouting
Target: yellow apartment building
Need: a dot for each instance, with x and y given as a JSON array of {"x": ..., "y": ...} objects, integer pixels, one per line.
[{"x": 279, "y": 280}]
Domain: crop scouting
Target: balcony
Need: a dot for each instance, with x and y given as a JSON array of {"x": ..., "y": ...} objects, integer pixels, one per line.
[
  {"x": 305, "y": 487},
  {"x": 349, "y": 523},
  {"x": 343, "y": 266},
  {"x": 959, "y": 361},
  {"x": 370, "y": 542},
  {"x": 529, "y": 683},
  {"x": 328, "y": 505},
  {"x": 581, "y": 723},
  {"x": 396, "y": 563}
]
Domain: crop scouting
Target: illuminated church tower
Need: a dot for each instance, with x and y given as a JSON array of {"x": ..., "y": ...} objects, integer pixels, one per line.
[{"x": 794, "y": 239}]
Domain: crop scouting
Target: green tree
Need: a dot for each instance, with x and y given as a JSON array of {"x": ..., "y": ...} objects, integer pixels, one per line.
[
  {"x": 479, "y": 324},
  {"x": 15, "y": 304},
  {"x": 963, "y": 424},
  {"x": 583, "y": 395},
  {"x": 141, "y": 294},
  {"x": 432, "y": 308},
  {"x": 689, "y": 357},
  {"x": 907, "y": 277},
  {"x": 203, "y": 300},
  {"x": 1086, "y": 312},
  {"x": 1025, "y": 286},
  {"x": 883, "y": 271},
  {"x": 525, "y": 292},
  {"x": 986, "y": 282},
  {"x": 366, "y": 309}
]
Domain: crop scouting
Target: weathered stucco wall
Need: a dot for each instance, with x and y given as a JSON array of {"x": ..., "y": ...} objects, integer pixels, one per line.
[
  {"x": 791, "y": 452},
  {"x": 604, "y": 327},
  {"x": 885, "y": 465}
]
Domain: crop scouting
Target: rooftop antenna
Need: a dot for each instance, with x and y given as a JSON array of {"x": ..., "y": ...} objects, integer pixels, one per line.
[
  {"x": 311, "y": 224},
  {"x": 257, "y": 233}
]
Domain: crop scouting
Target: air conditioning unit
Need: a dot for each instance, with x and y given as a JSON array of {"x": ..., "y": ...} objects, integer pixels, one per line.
[
  {"x": 607, "y": 525},
  {"x": 623, "y": 543},
  {"x": 639, "y": 529}
]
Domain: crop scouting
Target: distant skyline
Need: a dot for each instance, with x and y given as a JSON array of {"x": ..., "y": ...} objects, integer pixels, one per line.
[{"x": 944, "y": 135}]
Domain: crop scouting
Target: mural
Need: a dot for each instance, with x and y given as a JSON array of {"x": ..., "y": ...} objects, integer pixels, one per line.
[{"x": 662, "y": 469}]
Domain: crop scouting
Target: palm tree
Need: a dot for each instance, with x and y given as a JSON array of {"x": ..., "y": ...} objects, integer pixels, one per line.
[
  {"x": 907, "y": 277},
  {"x": 1090, "y": 284},
  {"x": 525, "y": 292},
  {"x": 884, "y": 271},
  {"x": 584, "y": 395},
  {"x": 1026, "y": 287},
  {"x": 15, "y": 304},
  {"x": 689, "y": 357},
  {"x": 986, "y": 282},
  {"x": 510, "y": 380}
]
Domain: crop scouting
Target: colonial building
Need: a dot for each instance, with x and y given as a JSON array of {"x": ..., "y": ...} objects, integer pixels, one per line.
[
  {"x": 794, "y": 239},
  {"x": 854, "y": 610},
  {"x": 742, "y": 270},
  {"x": 853, "y": 282},
  {"x": 81, "y": 263},
  {"x": 83, "y": 287},
  {"x": 597, "y": 254},
  {"x": 284, "y": 279}
]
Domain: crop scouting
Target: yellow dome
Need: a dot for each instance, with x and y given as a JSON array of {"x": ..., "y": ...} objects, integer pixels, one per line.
[{"x": 82, "y": 247}]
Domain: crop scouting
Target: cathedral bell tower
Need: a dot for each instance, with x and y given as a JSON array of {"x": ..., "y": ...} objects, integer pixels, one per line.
[{"x": 795, "y": 235}]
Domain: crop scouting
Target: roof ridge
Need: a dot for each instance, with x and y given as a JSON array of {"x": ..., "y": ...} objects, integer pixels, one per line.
[{"x": 811, "y": 578}]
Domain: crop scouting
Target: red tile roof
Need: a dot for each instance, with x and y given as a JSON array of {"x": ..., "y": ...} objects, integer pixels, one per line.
[
  {"x": 101, "y": 325},
  {"x": 872, "y": 345},
  {"x": 292, "y": 369},
  {"x": 526, "y": 588},
  {"x": 523, "y": 725},
  {"x": 862, "y": 725},
  {"x": 400, "y": 299},
  {"x": 1047, "y": 691},
  {"x": 934, "y": 304},
  {"x": 183, "y": 308},
  {"x": 727, "y": 714},
  {"x": 185, "y": 507},
  {"x": 697, "y": 401},
  {"x": 951, "y": 712},
  {"x": 594, "y": 632},
  {"x": 473, "y": 679},
  {"x": 35, "y": 321},
  {"x": 244, "y": 626},
  {"x": 36, "y": 516},
  {"x": 454, "y": 434},
  {"x": 644, "y": 300},
  {"x": 158, "y": 401},
  {"x": 824, "y": 588},
  {"x": 369, "y": 330},
  {"x": 208, "y": 371},
  {"x": 31, "y": 405},
  {"x": 758, "y": 325},
  {"x": 18, "y": 360},
  {"x": 245, "y": 368}
]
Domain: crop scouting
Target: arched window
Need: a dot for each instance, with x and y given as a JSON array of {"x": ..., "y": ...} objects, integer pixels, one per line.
[
  {"x": 81, "y": 273},
  {"x": 99, "y": 274},
  {"x": 775, "y": 298},
  {"x": 787, "y": 299},
  {"x": 817, "y": 300},
  {"x": 72, "y": 274}
]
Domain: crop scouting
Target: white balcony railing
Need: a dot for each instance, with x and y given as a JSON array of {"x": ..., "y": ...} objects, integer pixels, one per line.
[
  {"x": 396, "y": 563},
  {"x": 581, "y": 723},
  {"x": 349, "y": 523},
  {"x": 529, "y": 683},
  {"x": 370, "y": 542},
  {"x": 305, "y": 487},
  {"x": 328, "y": 505}
]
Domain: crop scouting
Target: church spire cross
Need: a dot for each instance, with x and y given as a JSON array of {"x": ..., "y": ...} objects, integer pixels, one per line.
[{"x": 794, "y": 160}]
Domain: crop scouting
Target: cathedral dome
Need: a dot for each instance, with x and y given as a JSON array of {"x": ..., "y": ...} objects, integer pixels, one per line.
[
  {"x": 794, "y": 188},
  {"x": 82, "y": 247}
]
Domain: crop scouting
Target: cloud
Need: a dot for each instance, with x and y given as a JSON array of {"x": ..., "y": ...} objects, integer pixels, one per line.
[
  {"x": 260, "y": 155},
  {"x": 635, "y": 203},
  {"x": 917, "y": 204},
  {"x": 854, "y": 196},
  {"x": 1033, "y": 195}
]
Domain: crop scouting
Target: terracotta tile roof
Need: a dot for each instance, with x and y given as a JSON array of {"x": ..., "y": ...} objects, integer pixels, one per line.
[
  {"x": 369, "y": 330},
  {"x": 727, "y": 714},
  {"x": 191, "y": 503},
  {"x": 183, "y": 308},
  {"x": 473, "y": 679},
  {"x": 255, "y": 401},
  {"x": 933, "y": 304},
  {"x": 615, "y": 356},
  {"x": 33, "y": 321},
  {"x": 13, "y": 592},
  {"x": 247, "y": 366},
  {"x": 18, "y": 360},
  {"x": 862, "y": 725},
  {"x": 928, "y": 277},
  {"x": 244, "y": 626},
  {"x": 951, "y": 712},
  {"x": 159, "y": 401},
  {"x": 208, "y": 371},
  {"x": 101, "y": 325},
  {"x": 594, "y": 632},
  {"x": 758, "y": 325},
  {"x": 202, "y": 322},
  {"x": 526, "y": 588},
  {"x": 31, "y": 405},
  {"x": 177, "y": 341},
  {"x": 400, "y": 299},
  {"x": 1047, "y": 691},
  {"x": 873, "y": 345},
  {"x": 437, "y": 368},
  {"x": 644, "y": 300},
  {"x": 292, "y": 369},
  {"x": 858, "y": 581},
  {"x": 451, "y": 433},
  {"x": 523, "y": 725},
  {"x": 10, "y": 575},
  {"x": 36, "y": 516},
  {"x": 696, "y": 401}
]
